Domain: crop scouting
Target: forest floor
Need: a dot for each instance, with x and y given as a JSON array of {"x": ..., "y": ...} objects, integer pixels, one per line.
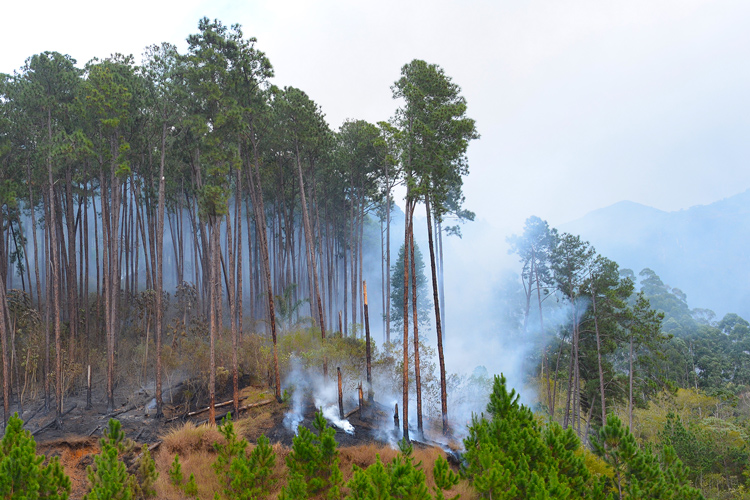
[{"x": 78, "y": 441}]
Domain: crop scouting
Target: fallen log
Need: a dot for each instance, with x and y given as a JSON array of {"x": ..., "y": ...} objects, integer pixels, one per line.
[
  {"x": 203, "y": 410},
  {"x": 242, "y": 408}
]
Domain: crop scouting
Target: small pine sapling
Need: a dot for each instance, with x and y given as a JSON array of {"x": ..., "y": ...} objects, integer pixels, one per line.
[
  {"x": 22, "y": 473},
  {"x": 175, "y": 472},
  {"x": 232, "y": 447},
  {"x": 314, "y": 460},
  {"x": 445, "y": 478},
  {"x": 109, "y": 479},
  {"x": 146, "y": 476},
  {"x": 191, "y": 487}
]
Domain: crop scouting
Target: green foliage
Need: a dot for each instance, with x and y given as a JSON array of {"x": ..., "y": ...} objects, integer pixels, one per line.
[
  {"x": 22, "y": 472},
  {"x": 510, "y": 457},
  {"x": 401, "y": 478},
  {"x": 424, "y": 303},
  {"x": 146, "y": 475},
  {"x": 108, "y": 478},
  {"x": 314, "y": 461},
  {"x": 244, "y": 477},
  {"x": 175, "y": 472},
  {"x": 639, "y": 473},
  {"x": 191, "y": 487}
]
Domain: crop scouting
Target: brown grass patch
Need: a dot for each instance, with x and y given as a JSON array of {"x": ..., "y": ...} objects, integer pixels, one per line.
[{"x": 188, "y": 438}]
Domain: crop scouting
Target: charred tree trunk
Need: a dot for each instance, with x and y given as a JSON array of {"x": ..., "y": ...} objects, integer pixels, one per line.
[{"x": 367, "y": 345}]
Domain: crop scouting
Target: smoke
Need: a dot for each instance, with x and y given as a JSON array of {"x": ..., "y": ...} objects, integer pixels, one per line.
[{"x": 307, "y": 385}]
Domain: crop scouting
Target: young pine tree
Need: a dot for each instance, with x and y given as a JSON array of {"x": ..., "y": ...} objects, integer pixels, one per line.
[
  {"x": 314, "y": 463},
  {"x": 108, "y": 478},
  {"x": 22, "y": 473}
]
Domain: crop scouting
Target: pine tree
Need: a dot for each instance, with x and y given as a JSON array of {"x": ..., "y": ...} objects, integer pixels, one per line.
[
  {"x": 175, "y": 472},
  {"x": 191, "y": 487},
  {"x": 146, "y": 476},
  {"x": 108, "y": 478},
  {"x": 22, "y": 473},
  {"x": 639, "y": 473},
  {"x": 314, "y": 462},
  {"x": 510, "y": 457}
]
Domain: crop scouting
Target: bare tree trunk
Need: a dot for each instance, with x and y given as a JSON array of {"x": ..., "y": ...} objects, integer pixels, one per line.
[
  {"x": 630, "y": 383},
  {"x": 309, "y": 243},
  {"x": 256, "y": 192},
  {"x": 6, "y": 362},
  {"x": 415, "y": 317},
  {"x": 213, "y": 320},
  {"x": 370, "y": 395},
  {"x": 438, "y": 323},
  {"x": 405, "y": 409},
  {"x": 159, "y": 257},
  {"x": 233, "y": 317},
  {"x": 599, "y": 359},
  {"x": 55, "y": 286}
]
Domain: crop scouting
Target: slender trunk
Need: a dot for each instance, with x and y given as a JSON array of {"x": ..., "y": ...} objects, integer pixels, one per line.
[
  {"x": 630, "y": 383},
  {"x": 599, "y": 360},
  {"x": 415, "y": 318},
  {"x": 441, "y": 275},
  {"x": 213, "y": 272},
  {"x": 309, "y": 243},
  {"x": 233, "y": 317},
  {"x": 6, "y": 362},
  {"x": 405, "y": 409},
  {"x": 438, "y": 323},
  {"x": 256, "y": 191},
  {"x": 159, "y": 258},
  {"x": 55, "y": 287},
  {"x": 370, "y": 395}
]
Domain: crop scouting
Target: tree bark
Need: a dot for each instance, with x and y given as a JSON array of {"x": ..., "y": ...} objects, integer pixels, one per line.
[
  {"x": 438, "y": 322},
  {"x": 415, "y": 318}
]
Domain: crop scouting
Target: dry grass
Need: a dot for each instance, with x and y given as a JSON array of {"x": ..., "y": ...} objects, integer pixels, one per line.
[
  {"x": 189, "y": 438},
  {"x": 194, "y": 444},
  {"x": 196, "y": 462}
]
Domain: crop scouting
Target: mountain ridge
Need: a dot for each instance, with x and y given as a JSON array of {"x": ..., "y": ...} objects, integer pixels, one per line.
[{"x": 702, "y": 250}]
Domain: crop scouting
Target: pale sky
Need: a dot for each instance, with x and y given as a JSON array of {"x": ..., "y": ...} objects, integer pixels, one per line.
[{"x": 580, "y": 104}]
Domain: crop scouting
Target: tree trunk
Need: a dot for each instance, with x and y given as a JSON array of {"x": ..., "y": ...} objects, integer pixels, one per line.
[
  {"x": 415, "y": 318},
  {"x": 599, "y": 359},
  {"x": 256, "y": 191},
  {"x": 438, "y": 323},
  {"x": 159, "y": 257},
  {"x": 367, "y": 344},
  {"x": 405, "y": 409},
  {"x": 309, "y": 243}
]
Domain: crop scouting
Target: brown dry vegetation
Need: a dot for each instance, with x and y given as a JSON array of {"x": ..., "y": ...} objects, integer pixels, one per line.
[{"x": 194, "y": 444}]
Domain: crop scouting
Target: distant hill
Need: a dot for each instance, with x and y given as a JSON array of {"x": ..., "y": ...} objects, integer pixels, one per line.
[{"x": 704, "y": 250}]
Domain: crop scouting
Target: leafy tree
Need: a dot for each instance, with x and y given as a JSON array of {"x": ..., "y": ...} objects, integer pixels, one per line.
[{"x": 23, "y": 475}]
